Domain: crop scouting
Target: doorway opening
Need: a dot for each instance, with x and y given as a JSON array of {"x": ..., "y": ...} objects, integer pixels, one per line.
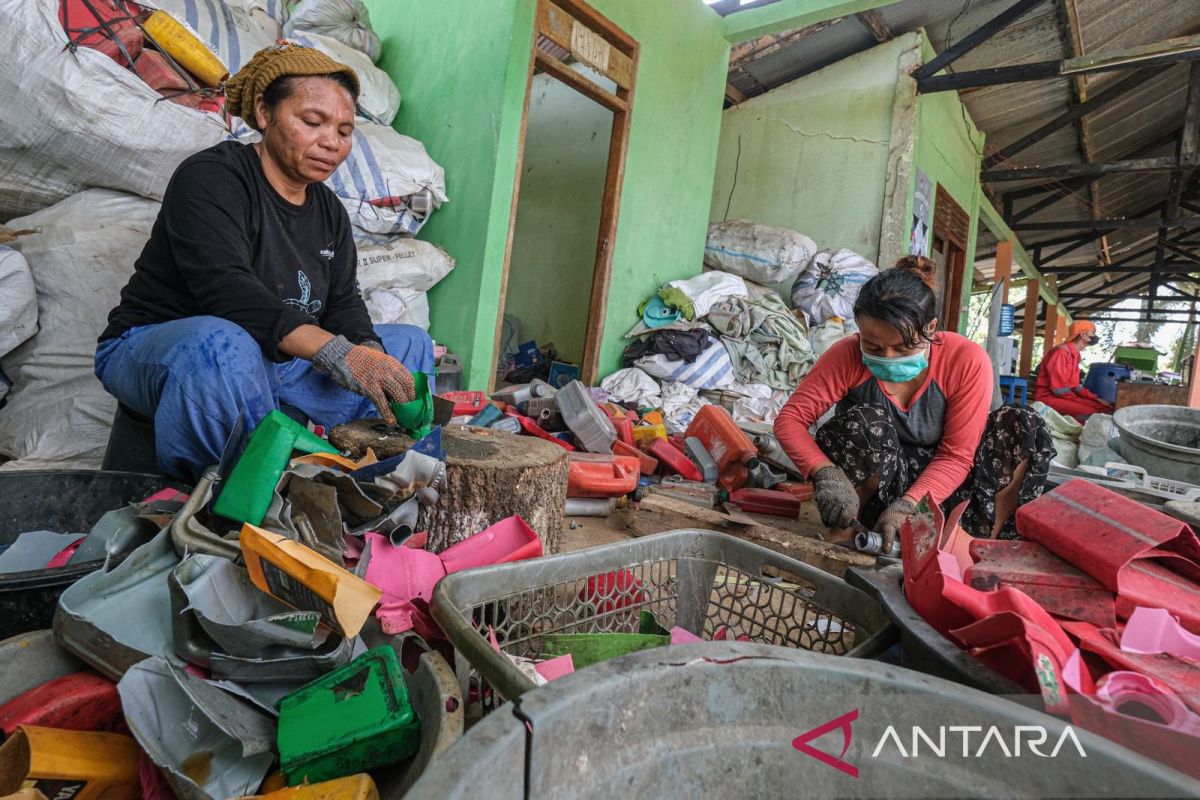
[
  {"x": 951, "y": 229},
  {"x": 566, "y": 199}
]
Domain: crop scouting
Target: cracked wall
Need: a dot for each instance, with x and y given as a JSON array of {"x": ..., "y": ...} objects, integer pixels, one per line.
[{"x": 812, "y": 155}]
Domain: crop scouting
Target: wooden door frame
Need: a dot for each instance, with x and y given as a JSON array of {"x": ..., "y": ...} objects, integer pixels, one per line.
[
  {"x": 557, "y": 21},
  {"x": 954, "y": 254}
]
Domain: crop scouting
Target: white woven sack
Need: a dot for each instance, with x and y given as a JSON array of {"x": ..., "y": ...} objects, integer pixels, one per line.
[
  {"x": 378, "y": 97},
  {"x": 830, "y": 284},
  {"x": 397, "y": 307},
  {"x": 712, "y": 369},
  {"x": 73, "y": 120},
  {"x": 761, "y": 253},
  {"x": 57, "y": 411},
  {"x": 402, "y": 264},
  {"x": 347, "y": 21}
]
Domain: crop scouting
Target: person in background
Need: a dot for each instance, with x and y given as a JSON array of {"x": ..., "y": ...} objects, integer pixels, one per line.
[
  {"x": 1058, "y": 383},
  {"x": 911, "y": 420},
  {"x": 245, "y": 298}
]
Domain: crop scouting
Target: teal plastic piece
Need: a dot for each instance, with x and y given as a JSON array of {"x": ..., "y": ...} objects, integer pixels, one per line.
[
  {"x": 247, "y": 492},
  {"x": 356, "y": 718},
  {"x": 416, "y": 416}
]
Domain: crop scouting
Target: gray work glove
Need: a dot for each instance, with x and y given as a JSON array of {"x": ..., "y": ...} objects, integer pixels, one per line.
[
  {"x": 836, "y": 498},
  {"x": 892, "y": 518},
  {"x": 366, "y": 371}
]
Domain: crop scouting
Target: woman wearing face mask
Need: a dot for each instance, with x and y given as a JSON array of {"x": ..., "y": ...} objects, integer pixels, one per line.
[{"x": 911, "y": 420}]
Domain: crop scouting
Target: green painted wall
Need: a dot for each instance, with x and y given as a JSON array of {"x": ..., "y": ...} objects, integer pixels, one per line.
[
  {"x": 812, "y": 155},
  {"x": 558, "y": 216},
  {"x": 949, "y": 149},
  {"x": 462, "y": 66}
]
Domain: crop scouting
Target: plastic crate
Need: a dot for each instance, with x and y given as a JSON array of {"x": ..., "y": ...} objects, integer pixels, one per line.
[{"x": 708, "y": 583}]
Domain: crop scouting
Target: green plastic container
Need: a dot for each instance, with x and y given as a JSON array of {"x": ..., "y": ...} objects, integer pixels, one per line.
[
  {"x": 592, "y": 648},
  {"x": 356, "y": 718},
  {"x": 416, "y": 416},
  {"x": 246, "y": 494},
  {"x": 1144, "y": 359}
]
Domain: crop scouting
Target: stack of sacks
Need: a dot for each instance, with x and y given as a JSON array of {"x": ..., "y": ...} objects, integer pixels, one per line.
[{"x": 395, "y": 276}]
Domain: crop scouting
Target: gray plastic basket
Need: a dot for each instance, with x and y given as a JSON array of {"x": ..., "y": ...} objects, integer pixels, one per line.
[{"x": 705, "y": 582}]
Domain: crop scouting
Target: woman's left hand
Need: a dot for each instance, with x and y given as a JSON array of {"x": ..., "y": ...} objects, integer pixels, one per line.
[{"x": 892, "y": 518}]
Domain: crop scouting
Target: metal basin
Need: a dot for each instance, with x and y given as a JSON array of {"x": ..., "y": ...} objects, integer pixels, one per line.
[{"x": 1164, "y": 440}]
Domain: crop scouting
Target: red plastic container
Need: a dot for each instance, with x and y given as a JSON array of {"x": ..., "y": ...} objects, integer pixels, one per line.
[
  {"x": 508, "y": 540},
  {"x": 713, "y": 425},
  {"x": 533, "y": 429},
  {"x": 83, "y": 701},
  {"x": 598, "y": 475},
  {"x": 671, "y": 459},
  {"x": 82, "y": 25},
  {"x": 648, "y": 463},
  {"x": 802, "y": 490},
  {"x": 624, "y": 426},
  {"x": 766, "y": 501},
  {"x": 466, "y": 404}
]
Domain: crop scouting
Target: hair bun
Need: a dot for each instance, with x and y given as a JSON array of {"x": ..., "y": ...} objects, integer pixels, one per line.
[{"x": 924, "y": 268}]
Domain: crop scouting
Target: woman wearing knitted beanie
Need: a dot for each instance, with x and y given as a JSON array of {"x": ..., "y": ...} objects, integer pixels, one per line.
[{"x": 245, "y": 298}]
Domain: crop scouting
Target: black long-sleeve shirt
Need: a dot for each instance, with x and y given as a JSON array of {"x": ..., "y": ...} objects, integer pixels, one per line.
[{"x": 226, "y": 244}]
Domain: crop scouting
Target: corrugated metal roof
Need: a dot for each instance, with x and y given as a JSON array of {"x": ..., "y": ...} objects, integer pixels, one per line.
[{"x": 1135, "y": 125}]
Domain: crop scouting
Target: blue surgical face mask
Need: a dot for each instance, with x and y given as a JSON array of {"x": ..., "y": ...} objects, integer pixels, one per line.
[{"x": 896, "y": 370}]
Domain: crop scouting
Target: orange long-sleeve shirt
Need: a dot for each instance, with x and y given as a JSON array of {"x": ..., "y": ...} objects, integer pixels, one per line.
[{"x": 948, "y": 411}]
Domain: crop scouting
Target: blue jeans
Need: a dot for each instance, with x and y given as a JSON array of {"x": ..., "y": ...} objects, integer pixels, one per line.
[{"x": 195, "y": 377}]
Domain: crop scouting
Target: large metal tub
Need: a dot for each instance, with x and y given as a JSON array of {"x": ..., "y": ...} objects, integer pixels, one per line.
[{"x": 1164, "y": 440}]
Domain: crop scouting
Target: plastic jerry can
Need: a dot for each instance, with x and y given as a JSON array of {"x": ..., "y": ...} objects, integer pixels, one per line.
[
  {"x": 729, "y": 446},
  {"x": 80, "y": 765},
  {"x": 766, "y": 501},
  {"x": 247, "y": 492},
  {"x": 355, "y": 718},
  {"x": 701, "y": 458},
  {"x": 352, "y": 787},
  {"x": 646, "y": 462},
  {"x": 487, "y": 416},
  {"x": 466, "y": 404},
  {"x": 533, "y": 429},
  {"x": 603, "y": 476},
  {"x": 644, "y": 435},
  {"x": 673, "y": 460},
  {"x": 298, "y": 576},
  {"x": 624, "y": 426},
  {"x": 803, "y": 490}
]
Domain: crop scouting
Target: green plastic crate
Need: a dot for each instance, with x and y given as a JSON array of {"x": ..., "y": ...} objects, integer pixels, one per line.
[
  {"x": 1144, "y": 359},
  {"x": 356, "y": 718}
]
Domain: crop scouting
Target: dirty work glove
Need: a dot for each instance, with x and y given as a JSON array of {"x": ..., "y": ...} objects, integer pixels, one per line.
[
  {"x": 892, "y": 518},
  {"x": 836, "y": 498},
  {"x": 366, "y": 371}
]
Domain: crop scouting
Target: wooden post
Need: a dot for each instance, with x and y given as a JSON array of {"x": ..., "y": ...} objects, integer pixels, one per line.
[
  {"x": 1194, "y": 391},
  {"x": 1050, "y": 330},
  {"x": 1061, "y": 335},
  {"x": 1029, "y": 326},
  {"x": 1003, "y": 269}
]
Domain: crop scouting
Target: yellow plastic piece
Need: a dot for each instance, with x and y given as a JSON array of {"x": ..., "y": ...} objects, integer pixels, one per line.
[
  {"x": 352, "y": 787},
  {"x": 305, "y": 580},
  {"x": 97, "y": 766},
  {"x": 183, "y": 46},
  {"x": 645, "y": 435},
  {"x": 333, "y": 460}
]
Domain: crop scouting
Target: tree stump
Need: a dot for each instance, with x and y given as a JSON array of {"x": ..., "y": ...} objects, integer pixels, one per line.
[{"x": 490, "y": 475}]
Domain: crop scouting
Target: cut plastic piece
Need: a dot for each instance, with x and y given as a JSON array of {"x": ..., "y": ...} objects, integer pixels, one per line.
[
  {"x": 589, "y": 423},
  {"x": 593, "y": 475},
  {"x": 673, "y": 460},
  {"x": 247, "y": 492},
  {"x": 487, "y": 416},
  {"x": 299, "y": 577},
  {"x": 352, "y": 787},
  {"x": 510, "y": 539},
  {"x": 402, "y": 573},
  {"x": 356, "y": 718},
  {"x": 647, "y": 464},
  {"x": 1155, "y": 630},
  {"x": 1043, "y": 576},
  {"x": 554, "y": 668},
  {"x": 84, "y": 765},
  {"x": 83, "y": 701},
  {"x": 766, "y": 501},
  {"x": 210, "y": 743},
  {"x": 533, "y": 429},
  {"x": 586, "y": 649},
  {"x": 416, "y": 416}
]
